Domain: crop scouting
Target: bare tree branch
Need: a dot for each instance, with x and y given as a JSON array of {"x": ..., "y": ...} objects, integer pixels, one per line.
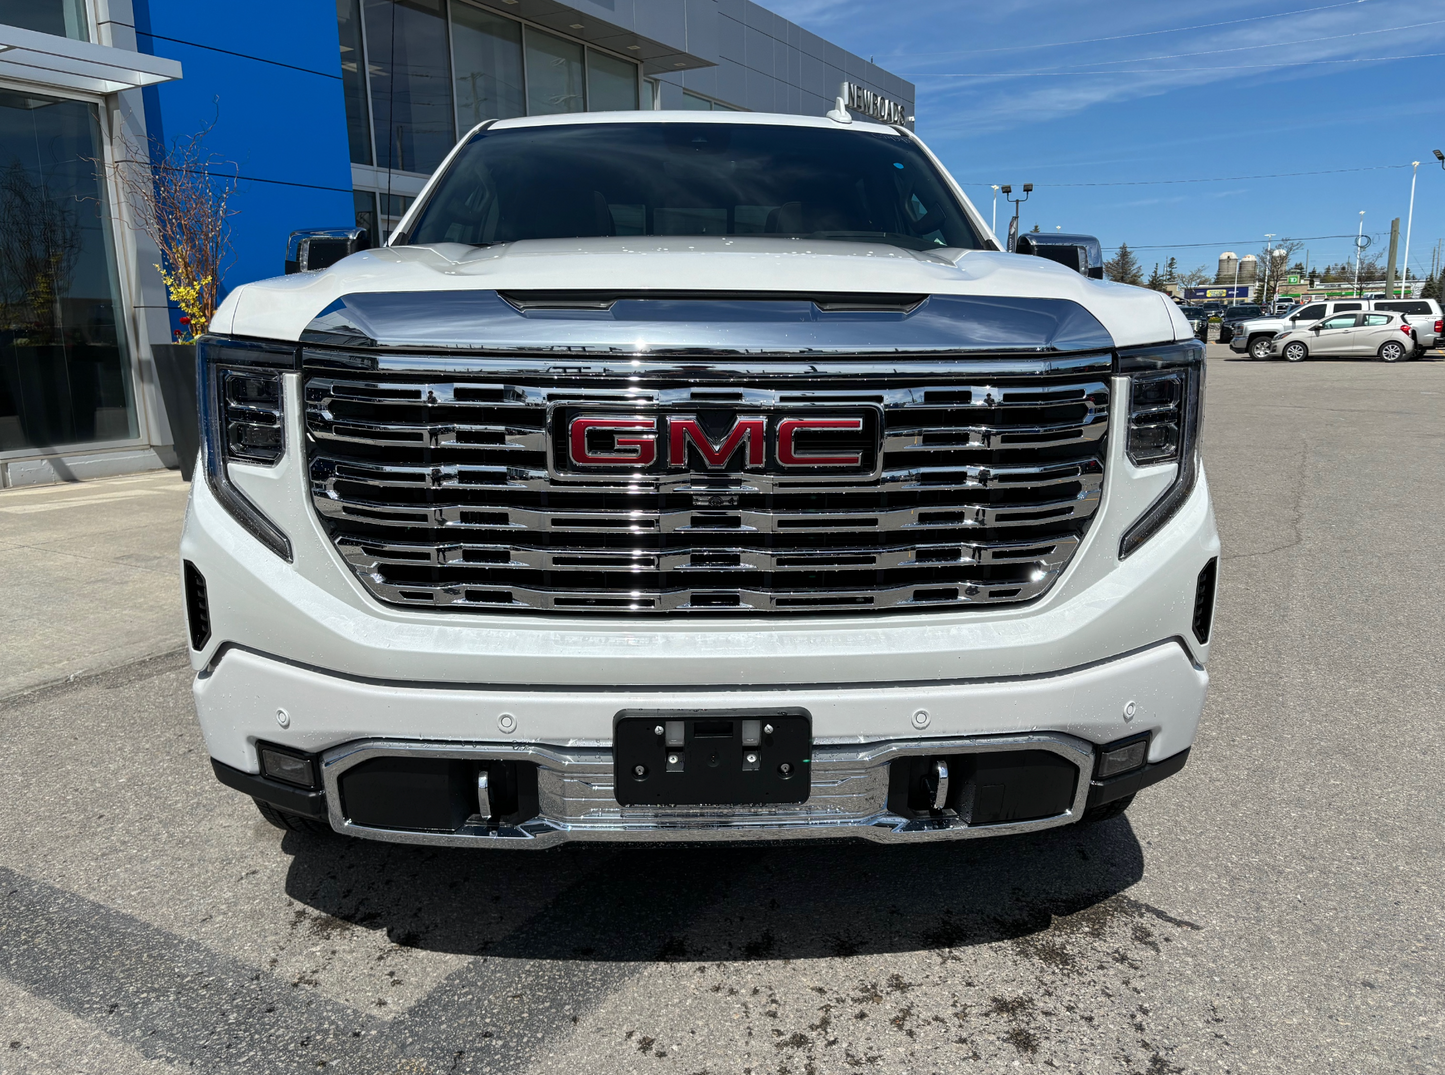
[{"x": 179, "y": 196}]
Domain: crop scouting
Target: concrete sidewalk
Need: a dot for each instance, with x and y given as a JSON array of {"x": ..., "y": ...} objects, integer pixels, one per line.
[{"x": 90, "y": 576}]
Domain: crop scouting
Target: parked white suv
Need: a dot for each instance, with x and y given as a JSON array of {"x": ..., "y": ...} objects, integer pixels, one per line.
[
  {"x": 674, "y": 477},
  {"x": 1257, "y": 336}
]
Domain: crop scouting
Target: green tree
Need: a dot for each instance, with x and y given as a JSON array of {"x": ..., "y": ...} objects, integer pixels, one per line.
[
  {"x": 1123, "y": 267},
  {"x": 1156, "y": 279},
  {"x": 1171, "y": 270},
  {"x": 1431, "y": 288}
]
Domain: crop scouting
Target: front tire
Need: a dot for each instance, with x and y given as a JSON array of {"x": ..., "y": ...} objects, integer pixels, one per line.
[
  {"x": 1392, "y": 351},
  {"x": 284, "y": 819},
  {"x": 1259, "y": 349},
  {"x": 1296, "y": 351}
]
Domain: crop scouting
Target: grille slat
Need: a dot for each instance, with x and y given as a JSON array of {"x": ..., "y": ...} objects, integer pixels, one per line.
[{"x": 444, "y": 493}]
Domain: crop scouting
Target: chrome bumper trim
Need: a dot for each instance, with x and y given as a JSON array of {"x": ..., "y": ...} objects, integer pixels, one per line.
[{"x": 575, "y": 790}]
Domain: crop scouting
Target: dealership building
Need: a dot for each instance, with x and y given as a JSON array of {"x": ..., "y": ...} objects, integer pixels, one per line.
[{"x": 324, "y": 114}]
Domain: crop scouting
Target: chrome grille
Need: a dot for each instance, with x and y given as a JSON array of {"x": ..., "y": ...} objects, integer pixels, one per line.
[{"x": 435, "y": 485}]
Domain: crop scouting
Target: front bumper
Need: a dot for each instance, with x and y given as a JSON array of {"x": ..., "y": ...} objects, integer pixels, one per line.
[{"x": 1157, "y": 692}]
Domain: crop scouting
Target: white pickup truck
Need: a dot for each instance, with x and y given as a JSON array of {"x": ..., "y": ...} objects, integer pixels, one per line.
[{"x": 696, "y": 477}]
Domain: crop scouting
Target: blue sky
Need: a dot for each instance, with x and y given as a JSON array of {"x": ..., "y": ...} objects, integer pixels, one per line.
[{"x": 1129, "y": 92}]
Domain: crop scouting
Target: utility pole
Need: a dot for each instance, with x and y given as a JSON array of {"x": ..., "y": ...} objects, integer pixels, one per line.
[
  {"x": 1390, "y": 265},
  {"x": 1409, "y": 223},
  {"x": 995, "y": 208}
]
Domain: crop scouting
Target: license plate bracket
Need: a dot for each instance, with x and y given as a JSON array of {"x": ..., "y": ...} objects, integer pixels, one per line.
[{"x": 712, "y": 757}]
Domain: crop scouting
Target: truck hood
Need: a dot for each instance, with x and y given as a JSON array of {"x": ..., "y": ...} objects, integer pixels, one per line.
[{"x": 283, "y": 307}]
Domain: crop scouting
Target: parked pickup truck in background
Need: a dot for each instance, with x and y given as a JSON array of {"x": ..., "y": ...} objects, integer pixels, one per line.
[{"x": 678, "y": 476}]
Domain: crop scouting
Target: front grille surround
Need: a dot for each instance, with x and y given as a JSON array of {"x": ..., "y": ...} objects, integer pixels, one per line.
[{"x": 434, "y": 477}]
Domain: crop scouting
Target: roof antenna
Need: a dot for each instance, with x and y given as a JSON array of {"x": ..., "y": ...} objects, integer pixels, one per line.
[{"x": 839, "y": 114}]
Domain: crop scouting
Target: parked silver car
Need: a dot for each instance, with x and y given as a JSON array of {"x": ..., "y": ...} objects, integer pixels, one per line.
[{"x": 1370, "y": 332}]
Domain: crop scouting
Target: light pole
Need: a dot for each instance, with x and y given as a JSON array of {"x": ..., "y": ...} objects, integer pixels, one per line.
[
  {"x": 995, "y": 208},
  {"x": 1359, "y": 249},
  {"x": 1013, "y": 228},
  {"x": 1409, "y": 220},
  {"x": 1438, "y": 272},
  {"x": 1268, "y": 263}
]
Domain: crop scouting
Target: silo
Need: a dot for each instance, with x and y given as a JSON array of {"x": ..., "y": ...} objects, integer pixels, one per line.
[
  {"x": 1227, "y": 262},
  {"x": 1248, "y": 269}
]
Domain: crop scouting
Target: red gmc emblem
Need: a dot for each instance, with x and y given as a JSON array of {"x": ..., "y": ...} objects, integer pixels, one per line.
[{"x": 752, "y": 442}]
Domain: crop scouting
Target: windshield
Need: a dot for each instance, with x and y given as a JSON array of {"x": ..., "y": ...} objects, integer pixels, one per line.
[{"x": 599, "y": 179}]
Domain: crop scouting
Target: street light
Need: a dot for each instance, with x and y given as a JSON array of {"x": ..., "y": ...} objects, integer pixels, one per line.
[
  {"x": 1268, "y": 261},
  {"x": 1409, "y": 221},
  {"x": 1013, "y": 228}
]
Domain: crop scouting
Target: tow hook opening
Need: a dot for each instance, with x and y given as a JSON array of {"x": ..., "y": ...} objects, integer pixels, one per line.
[
  {"x": 985, "y": 788},
  {"x": 446, "y": 795}
]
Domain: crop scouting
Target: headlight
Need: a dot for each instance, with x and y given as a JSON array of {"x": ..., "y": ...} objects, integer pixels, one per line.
[
  {"x": 242, "y": 397},
  {"x": 1166, "y": 410}
]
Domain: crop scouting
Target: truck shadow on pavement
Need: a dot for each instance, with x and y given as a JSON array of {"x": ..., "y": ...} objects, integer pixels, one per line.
[{"x": 731, "y": 903}]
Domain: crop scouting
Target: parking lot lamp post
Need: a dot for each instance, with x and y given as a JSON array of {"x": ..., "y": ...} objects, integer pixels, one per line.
[
  {"x": 1268, "y": 262},
  {"x": 1013, "y": 231},
  {"x": 1359, "y": 249},
  {"x": 1409, "y": 221},
  {"x": 995, "y": 208}
]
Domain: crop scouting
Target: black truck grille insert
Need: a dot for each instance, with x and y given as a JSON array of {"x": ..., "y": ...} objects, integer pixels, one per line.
[{"x": 454, "y": 490}]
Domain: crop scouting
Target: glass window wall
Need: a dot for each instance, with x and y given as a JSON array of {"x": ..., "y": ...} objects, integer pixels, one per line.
[
  {"x": 702, "y": 104},
  {"x": 487, "y": 60},
  {"x": 417, "y": 73},
  {"x": 611, "y": 83},
  {"x": 411, "y": 83},
  {"x": 555, "y": 81},
  {"x": 64, "y": 368},
  {"x": 63, "y": 18},
  {"x": 353, "y": 80}
]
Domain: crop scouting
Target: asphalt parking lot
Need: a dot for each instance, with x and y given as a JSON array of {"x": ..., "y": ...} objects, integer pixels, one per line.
[{"x": 1274, "y": 908}]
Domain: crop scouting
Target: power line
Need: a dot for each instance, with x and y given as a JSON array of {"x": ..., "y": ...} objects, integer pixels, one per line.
[
  {"x": 1213, "y": 179},
  {"x": 1240, "y": 242},
  {"x": 1144, "y": 33}
]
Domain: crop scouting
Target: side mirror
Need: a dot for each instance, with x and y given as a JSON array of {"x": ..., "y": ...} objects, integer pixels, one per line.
[
  {"x": 317, "y": 248},
  {"x": 1082, "y": 253},
  {"x": 1315, "y": 329}
]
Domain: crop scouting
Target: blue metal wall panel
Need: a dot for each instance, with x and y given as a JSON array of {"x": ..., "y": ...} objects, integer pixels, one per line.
[{"x": 268, "y": 76}]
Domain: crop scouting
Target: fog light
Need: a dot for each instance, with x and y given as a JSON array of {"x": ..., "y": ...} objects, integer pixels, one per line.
[
  {"x": 1122, "y": 759},
  {"x": 288, "y": 767}
]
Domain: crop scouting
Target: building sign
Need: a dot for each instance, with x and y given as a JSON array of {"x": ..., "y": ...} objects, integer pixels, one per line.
[
  {"x": 1292, "y": 278},
  {"x": 865, "y": 101},
  {"x": 1199, "y": 294}
]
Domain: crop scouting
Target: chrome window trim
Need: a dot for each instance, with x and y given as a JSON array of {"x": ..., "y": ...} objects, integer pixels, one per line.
[{"x": 862, "y": 764}]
